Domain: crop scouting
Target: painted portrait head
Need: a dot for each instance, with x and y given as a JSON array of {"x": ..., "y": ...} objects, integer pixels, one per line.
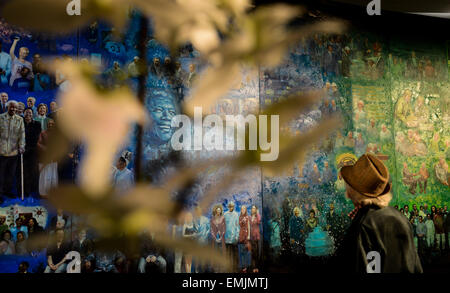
[
  {"x": 360, "y": 105},
  {"x": 162, "y": 108},
  {"x": 297, "y": 211},
  {"x": 230, "y": 206},
  {"x": 407, "y": 95},
  {"x": 243, "y": 210},
  {"x": 31, "y": 101},
  {"x": 23, "y": 52},
  {"x": 217, "y": 210},
  {"x": 254, "y": 210},
  {"x": 4, "y": 97},
  {"x": 42, "y": 109}
]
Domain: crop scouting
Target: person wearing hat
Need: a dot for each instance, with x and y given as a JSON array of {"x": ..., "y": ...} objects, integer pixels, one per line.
[
  {"x": 375, "y": 225},
  {"x": 122, "y": 177}
]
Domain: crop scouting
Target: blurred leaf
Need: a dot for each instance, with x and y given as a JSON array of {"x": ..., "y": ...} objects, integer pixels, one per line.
[
  {"x": 294, "y": 148},
  {"x": 272, "y": 50},
  {"x": 203, "y": 36},
  {"x": 99, "y": 214},
  {"x": 72, "y": 198},
  {"x": 275, "y": 43},
  {"x": 212, "y": 85},
  {"x": 263, "y": 37},
  {"x": 57, "y": 147},
  {"x": 38, "y": 242},
  {"x": 101, "y": 120},
  {"x": 112, "y": 219},
  {"x": 205, "y": 254},
  {"x": 336, "y": 26},
  {"x": 279, "y": 13},
  {"x": 130, "y": 243},
  {"x": 117, "y": 242},
  {"x": 238, "y": 7},
  {"x": 291, "y": 106},
  {"x": 186, "y": 174},
  {"x": 178, "y": 22},
  {"x": 259, "y": 29},
  {"x": 141, "y": 219},
  {"x": 146, "y": 197},
  {"x": 227, "y": 37},
  {"x": 291, "y": 148}
]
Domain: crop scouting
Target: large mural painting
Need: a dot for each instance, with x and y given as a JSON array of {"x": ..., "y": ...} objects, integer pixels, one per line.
[
  {"x": 393, "y": 99},
  {"x": 391, "y": 93}
]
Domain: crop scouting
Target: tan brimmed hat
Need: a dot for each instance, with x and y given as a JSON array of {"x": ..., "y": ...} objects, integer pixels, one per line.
[{"x": 368, "y": 176}]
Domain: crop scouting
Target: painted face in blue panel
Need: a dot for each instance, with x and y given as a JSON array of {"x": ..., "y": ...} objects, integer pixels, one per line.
[{"x": 162, "y": 108}]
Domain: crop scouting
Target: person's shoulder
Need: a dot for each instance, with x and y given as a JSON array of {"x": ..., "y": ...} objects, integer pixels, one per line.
[
  {"x": 385, "y": 216},
  {"x": 385, "y": 212}
]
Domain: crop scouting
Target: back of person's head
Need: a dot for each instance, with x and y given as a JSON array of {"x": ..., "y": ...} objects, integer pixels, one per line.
[{"x": 362, "y": 200}]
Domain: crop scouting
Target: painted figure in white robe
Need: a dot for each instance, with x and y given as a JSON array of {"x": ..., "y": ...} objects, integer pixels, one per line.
[{"x": 122, "y": 177}]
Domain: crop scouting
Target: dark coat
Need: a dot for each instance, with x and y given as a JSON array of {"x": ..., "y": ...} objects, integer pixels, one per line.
[
  {"x": 384, "y": 230},
  {"x": 32, "y": 132}
]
